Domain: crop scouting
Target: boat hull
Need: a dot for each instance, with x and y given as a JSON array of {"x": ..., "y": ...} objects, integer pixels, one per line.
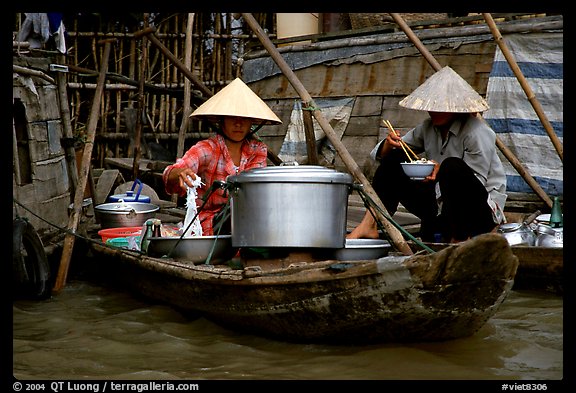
[{"x": 448, "y": 295}]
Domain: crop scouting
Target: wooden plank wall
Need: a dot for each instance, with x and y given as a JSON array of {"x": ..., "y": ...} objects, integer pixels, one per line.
[
  {"x": 47, "y": 192},
  {"x": 377, "y": 88}
]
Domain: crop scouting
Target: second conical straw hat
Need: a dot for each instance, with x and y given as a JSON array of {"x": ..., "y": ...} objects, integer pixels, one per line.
[
  {"x": 445, "y": 91},
  {"x": 236, "y": 99}
]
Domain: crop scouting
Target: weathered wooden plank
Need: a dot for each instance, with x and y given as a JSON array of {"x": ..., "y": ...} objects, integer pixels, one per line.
[
  {"x": 363, "y": 126},
  {"x": 367, "y": 106},
  {"x": 359, "y": 148},
  {"x": 105, "y": 184},
  {"x": 397, "y": 76}
]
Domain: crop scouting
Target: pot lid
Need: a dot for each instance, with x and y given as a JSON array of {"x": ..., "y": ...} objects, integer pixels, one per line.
[
  {"x": 126, "y": 207},
  {"x": 509, "y": 227},
  {"x": 292, "y": 174}
]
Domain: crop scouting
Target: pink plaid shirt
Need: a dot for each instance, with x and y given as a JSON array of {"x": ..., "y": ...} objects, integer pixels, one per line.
[{"x": 211, "y": 160}]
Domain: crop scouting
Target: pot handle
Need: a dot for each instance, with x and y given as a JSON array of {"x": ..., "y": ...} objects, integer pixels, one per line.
[
  {"x": 140, "y": 187},
  {"x": 531, "y": 218}
]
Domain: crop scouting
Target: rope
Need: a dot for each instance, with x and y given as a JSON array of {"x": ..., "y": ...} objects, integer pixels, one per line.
[
  {"x": 62, "y": 229},
  {"x": 219, "y": 227}
]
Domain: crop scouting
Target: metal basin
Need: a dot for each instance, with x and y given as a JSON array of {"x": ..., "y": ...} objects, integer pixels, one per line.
[{"x": 193, "y": 250}]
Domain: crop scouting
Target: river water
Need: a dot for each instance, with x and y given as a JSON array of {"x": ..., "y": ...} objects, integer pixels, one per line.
[{"x": 91, "y": 331}]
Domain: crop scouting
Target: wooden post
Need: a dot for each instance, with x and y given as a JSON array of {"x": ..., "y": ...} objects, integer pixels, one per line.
[
  {"x": 84, "y": 171},
  {"x": 507, "y": 152},
  {"x": 67, "y": 126},
  {"x": 525, "y": 86},
  {"x": 348, "y": 160},
  {"x": 310, "y": 136}
]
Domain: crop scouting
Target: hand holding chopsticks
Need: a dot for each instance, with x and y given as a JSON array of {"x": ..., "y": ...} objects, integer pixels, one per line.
[{"x": 403, "y": 144}]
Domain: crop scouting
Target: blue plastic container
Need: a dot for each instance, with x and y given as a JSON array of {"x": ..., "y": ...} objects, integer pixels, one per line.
[{"x": 129, "y": 196}]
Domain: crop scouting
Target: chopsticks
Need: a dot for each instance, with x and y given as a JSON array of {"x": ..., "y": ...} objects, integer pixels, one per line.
[{"x": 404, "y": 145}]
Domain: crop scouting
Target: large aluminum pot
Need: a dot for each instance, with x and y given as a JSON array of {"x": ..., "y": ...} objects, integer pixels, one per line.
[
  {"x": 289, "y": 206},
  {"x": 549, "y": 237},
  {"x": 517, "y": 234},
  {"x": 124, "y": 214}
]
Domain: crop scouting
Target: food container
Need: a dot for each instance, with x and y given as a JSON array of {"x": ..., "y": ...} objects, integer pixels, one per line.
[
  {"x": 418, "y": 170},
  {"x": 289, "y": 206},
  {"x": 124, "y": 214},
  {"x": 517, "y": 233},
  {"x": 549, "y": 237},
  {"x": 360, "y": 249},
  {"x": 122, "y": 232},
  {"x": 193, "y": 249}
]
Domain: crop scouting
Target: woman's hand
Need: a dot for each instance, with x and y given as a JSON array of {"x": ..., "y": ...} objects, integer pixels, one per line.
[
  {"x": 391, "y": 142},
  {"x": 394, "y": 140},
  {"x": 183, "y": 176},
  {"x": 432, "y": 176}
]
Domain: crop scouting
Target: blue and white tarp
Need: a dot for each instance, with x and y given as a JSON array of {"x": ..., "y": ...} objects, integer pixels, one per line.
[{"x": 540, "y": 58}]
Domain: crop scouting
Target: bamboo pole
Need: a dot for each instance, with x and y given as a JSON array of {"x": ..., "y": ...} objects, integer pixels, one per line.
[
  {"x": 141, "y": 104},
  {"x": 84, "y": 171},
  {"x": 186, "y": 109},
  {"x": 525, "y": 86},
  {"x": 507, "y": 152},
  {"x": 352, "y": 166}
]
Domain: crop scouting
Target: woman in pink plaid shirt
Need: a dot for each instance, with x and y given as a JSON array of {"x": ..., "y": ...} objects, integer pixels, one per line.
[{"x": 233, "y": 149}]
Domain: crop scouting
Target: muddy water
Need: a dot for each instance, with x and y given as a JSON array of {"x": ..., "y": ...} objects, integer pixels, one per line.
[{"x": 90, "y": 331}]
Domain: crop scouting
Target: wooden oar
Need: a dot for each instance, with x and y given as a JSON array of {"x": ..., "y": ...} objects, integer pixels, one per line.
[{"x": 84, "y": 171}]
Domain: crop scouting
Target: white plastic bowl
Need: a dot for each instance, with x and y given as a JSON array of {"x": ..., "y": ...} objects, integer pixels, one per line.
[{"x": 417, "y": 170}]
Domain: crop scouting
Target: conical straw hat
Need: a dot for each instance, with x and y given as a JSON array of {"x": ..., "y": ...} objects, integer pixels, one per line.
[
  {"x": 236, "y": 99},
  {"x": 445, "y": 91}
]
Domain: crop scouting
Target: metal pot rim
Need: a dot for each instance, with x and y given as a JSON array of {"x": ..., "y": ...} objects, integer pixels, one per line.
[{"x": 292, "y": 174}]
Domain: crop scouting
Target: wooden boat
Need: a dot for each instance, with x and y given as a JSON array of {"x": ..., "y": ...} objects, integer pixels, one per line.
[
  {"x": 539, "y": 268},
  {"x": 444, "y": 295}
]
